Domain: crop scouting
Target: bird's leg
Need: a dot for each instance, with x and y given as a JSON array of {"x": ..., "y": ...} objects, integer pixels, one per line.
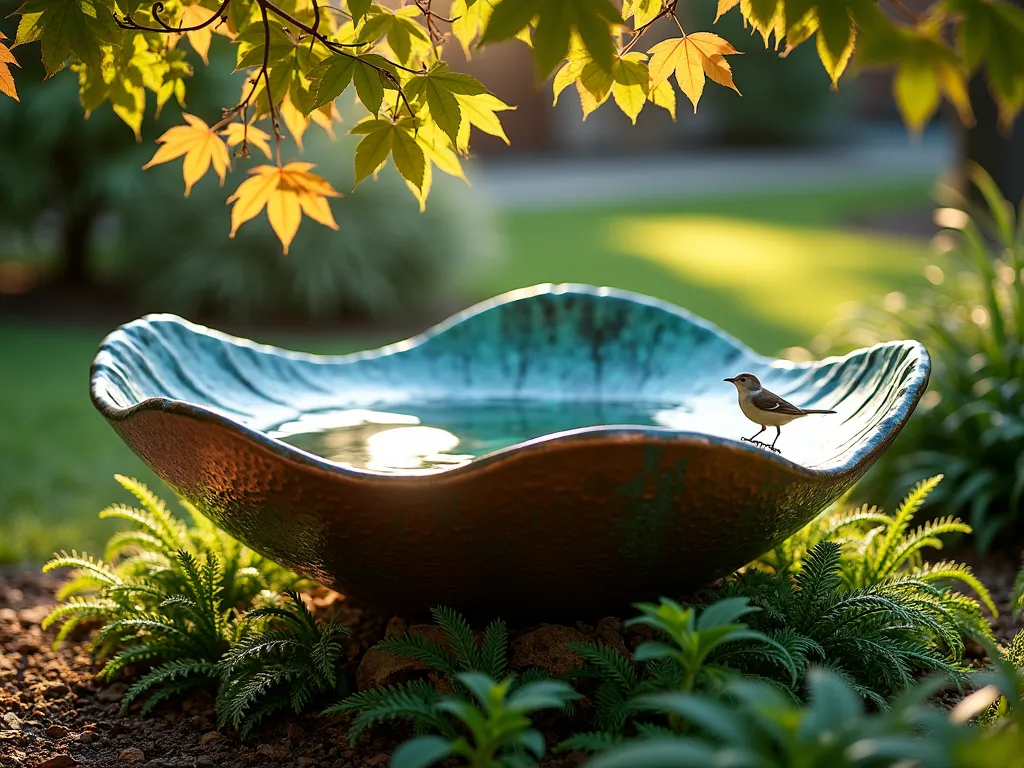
[
  {"x": 754, "y": 438},
  {"x": 778, "y": 432}
]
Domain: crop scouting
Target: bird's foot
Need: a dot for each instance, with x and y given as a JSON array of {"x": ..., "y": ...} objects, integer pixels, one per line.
[{"x": 773, "y": 449}]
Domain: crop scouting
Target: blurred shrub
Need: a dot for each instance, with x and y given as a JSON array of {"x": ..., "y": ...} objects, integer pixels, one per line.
[
  {"x": 970, "y": 424},
  {"x": 785, "y": 101},
  {"x": 385, "y": 258}
]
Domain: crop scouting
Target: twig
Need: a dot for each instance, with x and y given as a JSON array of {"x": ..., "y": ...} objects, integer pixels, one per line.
[
  {"x": 668, "y": 9},
  {"x": 158, "y": 7}
]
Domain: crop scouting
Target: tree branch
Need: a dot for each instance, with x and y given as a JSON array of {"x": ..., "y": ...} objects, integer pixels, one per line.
[{"x": 158, "y": 7}]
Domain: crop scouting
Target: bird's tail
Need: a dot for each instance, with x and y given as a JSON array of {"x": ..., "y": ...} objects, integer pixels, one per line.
[{"x": 811, "y": 410}]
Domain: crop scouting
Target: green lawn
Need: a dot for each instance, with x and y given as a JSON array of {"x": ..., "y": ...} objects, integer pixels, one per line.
[{"x": 769, "y": 269}]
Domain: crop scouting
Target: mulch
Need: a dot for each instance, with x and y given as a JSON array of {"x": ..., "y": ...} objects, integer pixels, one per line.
[{"x": 53, "y": 714}]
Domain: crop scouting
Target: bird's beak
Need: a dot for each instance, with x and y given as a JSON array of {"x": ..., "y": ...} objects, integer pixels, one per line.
[{"x": 731, "y": 381}]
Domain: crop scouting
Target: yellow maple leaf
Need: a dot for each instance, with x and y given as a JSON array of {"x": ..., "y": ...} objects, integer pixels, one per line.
[
  {"x": 237, "y": 133},
  {"x": 286, "y": 193},
  {"x": 193, "y": 16},
  {"x": 200, "y": 146},
  {"x": 692, "y": 57},
  {"x": 6, "y": 78}
]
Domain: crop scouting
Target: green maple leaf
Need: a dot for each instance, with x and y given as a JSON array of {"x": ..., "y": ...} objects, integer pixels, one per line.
[
  {"x": 358, "y": 8},
  {"x": 382, "y": 138},
  {"x": 331, "y": 78},
  {"x": 592, "y": 20},
  {"x": 439, "y": 89},
  {"x": 68, "y": 27},
  {"x": 404, "y": 35}
]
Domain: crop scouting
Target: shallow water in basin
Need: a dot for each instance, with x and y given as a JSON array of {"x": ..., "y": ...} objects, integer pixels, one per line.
[{"x": 424, "y": 439}]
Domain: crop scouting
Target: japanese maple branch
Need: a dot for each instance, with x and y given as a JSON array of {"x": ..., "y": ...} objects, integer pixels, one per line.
[
  {"x": 158, "y": 7},
  {"x": 338, "y": 48}
]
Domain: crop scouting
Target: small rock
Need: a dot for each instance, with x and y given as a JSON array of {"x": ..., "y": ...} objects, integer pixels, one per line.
[
  {"x": 58, "y": 691},
  {"x": 210, "y": 737},
  {"x": 544, "y": 648},
  {"x": 131, "y": 756},
  {"x": 56, "y": 731},
  {"x": 379, "y": 668},
  {"x": 377, "y": 760},
  {"x": 27, "y": 645},
  {"x": 609, "y": 632},
  {"x": 272, "y": 751},
  {"x": 11, "y": 721},
  {"x": 306, "y": 762},
  {"x": 31, "y": 617},
  {"x": 295, "y": 732},
  {"x": 58, "y": 761},
  {"x": 88, "y": 737},
  {"x": 14, "y": 596},
  {"x": 396, "y": 626},
  {"x": 112, "y": 693},
  {"x": 8, "y": 615}
]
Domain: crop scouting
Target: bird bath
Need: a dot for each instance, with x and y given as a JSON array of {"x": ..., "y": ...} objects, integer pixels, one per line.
[{"x": 559, "y": 451}]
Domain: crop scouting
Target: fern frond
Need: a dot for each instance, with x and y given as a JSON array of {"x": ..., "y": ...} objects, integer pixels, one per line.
[
  {"x": 165, "y": 676},
  {"x": 74, "y": 612},
  {"x": 415, "y": 701},
  {"x": 135, "y": 654},
  {"x": 949, "y": 571},
  {"x": 901, "y": 522},
  {"x": 593, "y": 741},
  {"x": 123, "y": 540},
  {"x": 81, "y": 583},
  {"x": 423, "y": 650},
  {"x": 98, "y": 569},
  {"x": 494, "y": 650},
  {"x": 608, "y": 664},
  {"x": 169, "y": 540},
  {"x": 460, "y": 636},
  {"x": 174, "y": 529}
]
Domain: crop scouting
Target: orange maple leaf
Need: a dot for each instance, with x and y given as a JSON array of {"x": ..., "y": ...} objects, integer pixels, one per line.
[
  {"x": 6, "y": 78},
  {"x": 201, "y": 147},
  {"x": 286, "y": 193}
]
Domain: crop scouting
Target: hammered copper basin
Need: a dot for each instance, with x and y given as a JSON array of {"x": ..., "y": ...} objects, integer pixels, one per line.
[{"x": 557, "y": 452}]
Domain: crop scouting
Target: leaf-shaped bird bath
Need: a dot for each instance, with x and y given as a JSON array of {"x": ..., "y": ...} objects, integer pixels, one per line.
[{"x": 559, "y": 451}]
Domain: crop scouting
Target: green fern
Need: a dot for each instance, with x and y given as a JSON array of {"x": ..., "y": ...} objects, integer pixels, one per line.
[
  {"x": 283, "y": 659},
  {"x": 166, "y": 595}
]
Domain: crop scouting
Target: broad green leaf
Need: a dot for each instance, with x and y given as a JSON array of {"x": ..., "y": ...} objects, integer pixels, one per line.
[
  {"x": 408, "y": 156},
  {"x": 252, "y": 44},
  {"x": 358, "y": 9},
  {"x": 438, "y": 88},
  {"x": 373, "y": 150},
  {"x": 596, "y": 82},
  {"x": 369, "y": 87},
  {"x": 72, "y": 27},
  {"x": 28, "y": 29},
  {"x": 421, "y": 752},
  {"x": 331, "y": 77}
]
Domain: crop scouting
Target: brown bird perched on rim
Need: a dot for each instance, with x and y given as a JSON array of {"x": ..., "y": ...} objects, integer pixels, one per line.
[{"x": 766, "y": 408}]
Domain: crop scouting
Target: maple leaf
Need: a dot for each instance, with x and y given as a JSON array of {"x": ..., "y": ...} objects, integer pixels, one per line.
[
  {"x": 287, "y": 193},
  {"x": 439, "y": 89},
  {"x": 200, "y": 146},
  {"x": 692, "y": 58},
  {"x": 592, "y": 20},
  {"x": 470, "y": 19},
  {"x": 238, "y": 134},
  {"x": 66, "y": 27},
  {"x": 405, "y": 37},
  {"x": 6, "y": 78},
  {"x": 642, "y": 11},
  {"x": 478, "y": 110},
  {"x": 382, "y": 138},
  {"x": 200, "y": 39}
]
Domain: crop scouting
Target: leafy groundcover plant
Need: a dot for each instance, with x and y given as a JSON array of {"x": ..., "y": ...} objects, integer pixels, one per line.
[
  {"x": 970, "y": 425},
  {"x": 200, "y": 610},
  {"x": 811, "y": 656}
]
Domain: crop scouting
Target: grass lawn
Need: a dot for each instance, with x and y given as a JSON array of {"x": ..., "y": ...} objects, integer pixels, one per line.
[{"x": 769, "y": 269}]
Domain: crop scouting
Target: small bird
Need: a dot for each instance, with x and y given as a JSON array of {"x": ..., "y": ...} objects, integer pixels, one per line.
[{"x": 765, "y": 408}]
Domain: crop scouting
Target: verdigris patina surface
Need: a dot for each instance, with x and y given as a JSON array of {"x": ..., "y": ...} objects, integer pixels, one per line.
[{"x": 559, "y": 451}]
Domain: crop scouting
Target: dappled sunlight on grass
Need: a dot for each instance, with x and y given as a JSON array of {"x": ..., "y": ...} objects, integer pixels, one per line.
[{"x": 784, "y": 275}]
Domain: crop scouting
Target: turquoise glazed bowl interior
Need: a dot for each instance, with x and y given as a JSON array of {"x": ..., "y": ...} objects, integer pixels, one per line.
[{"x": 557, "y": 452}]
